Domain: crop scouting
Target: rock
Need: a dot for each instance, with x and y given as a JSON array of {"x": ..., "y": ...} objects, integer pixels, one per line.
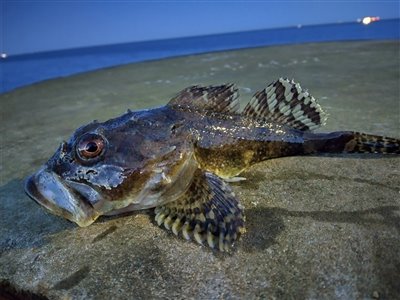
[{"x": 317, "y": 226}]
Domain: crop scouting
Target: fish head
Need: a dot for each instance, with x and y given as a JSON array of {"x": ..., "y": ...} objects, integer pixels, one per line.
[{"x": 107, "y": 167}]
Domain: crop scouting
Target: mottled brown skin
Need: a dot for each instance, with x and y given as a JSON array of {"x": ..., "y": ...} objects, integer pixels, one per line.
[
  {"x": 227, "y": 146},
  {"x": 173, "y": 158}
]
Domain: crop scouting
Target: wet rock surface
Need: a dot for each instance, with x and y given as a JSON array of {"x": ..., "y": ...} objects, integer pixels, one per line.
[{"x": 317, "y": 226}]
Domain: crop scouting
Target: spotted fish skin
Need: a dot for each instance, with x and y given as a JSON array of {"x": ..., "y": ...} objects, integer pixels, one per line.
[{"x": 177, "y": 158}]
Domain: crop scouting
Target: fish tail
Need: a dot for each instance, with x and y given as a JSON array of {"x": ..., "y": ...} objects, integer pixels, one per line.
[{"x": 350, "y": 142}]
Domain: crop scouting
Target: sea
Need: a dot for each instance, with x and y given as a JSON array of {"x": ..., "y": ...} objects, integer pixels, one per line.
[{"x": 21, "y": 70}]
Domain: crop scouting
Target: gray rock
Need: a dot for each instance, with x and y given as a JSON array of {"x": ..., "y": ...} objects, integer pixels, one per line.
[{"x": 317, "y": 226}]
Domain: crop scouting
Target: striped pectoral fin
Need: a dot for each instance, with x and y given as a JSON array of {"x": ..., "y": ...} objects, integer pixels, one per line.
[{"x": 208, "y": 212}]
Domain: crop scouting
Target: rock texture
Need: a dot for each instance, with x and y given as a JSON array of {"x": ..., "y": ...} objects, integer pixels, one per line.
[{"x": 317, "y": 227}]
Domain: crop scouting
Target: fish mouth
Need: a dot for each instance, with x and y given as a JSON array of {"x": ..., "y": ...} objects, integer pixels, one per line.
[{"x": 48, "y": 190}]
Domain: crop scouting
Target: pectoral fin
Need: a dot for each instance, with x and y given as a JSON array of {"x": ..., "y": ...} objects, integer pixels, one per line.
[{"x": 208, "y": 212}]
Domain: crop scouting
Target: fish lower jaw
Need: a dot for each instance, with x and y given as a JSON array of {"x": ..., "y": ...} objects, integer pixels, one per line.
[
  {"x": 81, "y": 221},
  {"x": 86, "y": 222},
  {"x": 48, "y": 191}
]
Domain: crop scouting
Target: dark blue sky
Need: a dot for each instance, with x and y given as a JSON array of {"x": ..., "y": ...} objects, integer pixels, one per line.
[{"x": 33, "y": 26}]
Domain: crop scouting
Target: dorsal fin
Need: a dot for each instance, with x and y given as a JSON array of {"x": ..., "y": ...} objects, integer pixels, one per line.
[
  {"x": 286, "y": 103},
  {"x": 221, "y": 98}
]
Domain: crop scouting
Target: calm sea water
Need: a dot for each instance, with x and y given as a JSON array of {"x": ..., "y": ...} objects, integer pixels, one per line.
[{"x": 23, "y": 70}]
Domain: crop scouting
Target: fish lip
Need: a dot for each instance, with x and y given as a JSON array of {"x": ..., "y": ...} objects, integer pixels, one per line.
[{"x": 46, "y": 189}]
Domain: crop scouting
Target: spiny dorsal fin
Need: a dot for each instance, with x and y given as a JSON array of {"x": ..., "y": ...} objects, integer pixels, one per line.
[
  {"x": 208, "y": 212},
  {"x": 221, "y": 98},
  {"x": 285, "y": 102}
]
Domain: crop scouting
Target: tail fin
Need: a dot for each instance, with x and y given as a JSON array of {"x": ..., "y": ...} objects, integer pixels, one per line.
[{"x": 350, "y": 142}]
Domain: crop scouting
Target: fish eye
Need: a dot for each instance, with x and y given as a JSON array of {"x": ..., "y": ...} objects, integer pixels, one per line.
[{"x": 90, "y": 146}]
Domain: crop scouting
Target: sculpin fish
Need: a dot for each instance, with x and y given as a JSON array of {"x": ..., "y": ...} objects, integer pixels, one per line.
[{"x": 179, "y": 157}]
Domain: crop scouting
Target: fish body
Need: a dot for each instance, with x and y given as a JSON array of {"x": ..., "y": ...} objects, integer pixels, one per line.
[{"x": 178, "y": 157}]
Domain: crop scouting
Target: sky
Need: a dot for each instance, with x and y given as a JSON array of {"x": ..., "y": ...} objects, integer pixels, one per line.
[{"x": 36, "y": 26}]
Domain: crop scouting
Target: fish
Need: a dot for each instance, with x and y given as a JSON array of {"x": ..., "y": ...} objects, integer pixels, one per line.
[{"x": 179, "y": 159}]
